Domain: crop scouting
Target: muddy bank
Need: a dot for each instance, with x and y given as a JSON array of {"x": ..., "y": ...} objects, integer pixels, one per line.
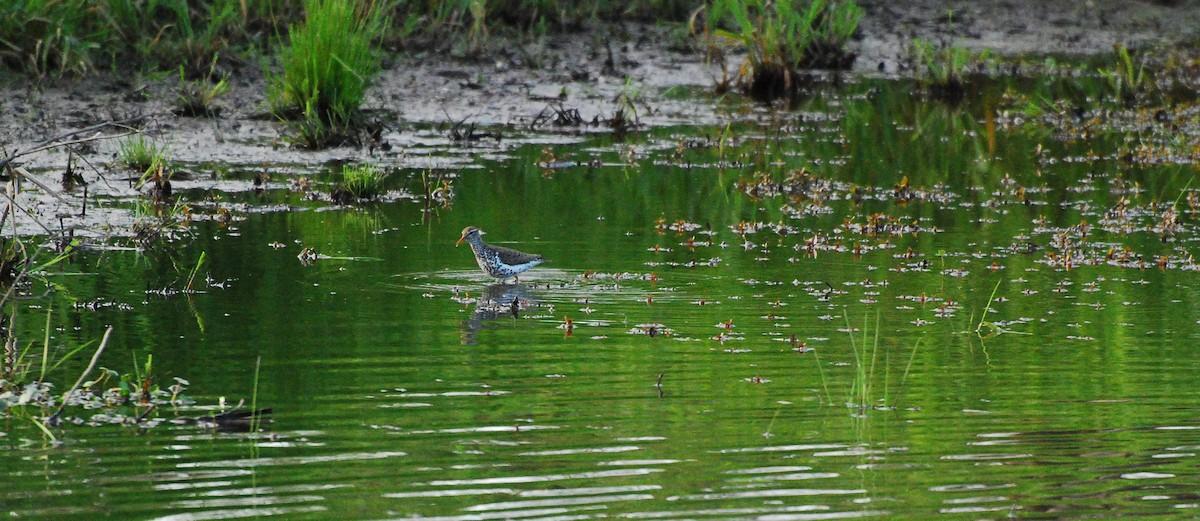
[{"x": 420, "y": 96}]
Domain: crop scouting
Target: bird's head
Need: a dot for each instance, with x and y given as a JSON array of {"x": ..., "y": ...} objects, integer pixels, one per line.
[{"x": 468, "y": 233}]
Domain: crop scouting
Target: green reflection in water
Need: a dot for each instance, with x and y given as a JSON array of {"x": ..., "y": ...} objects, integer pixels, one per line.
[{"x": 403, "y": 385}]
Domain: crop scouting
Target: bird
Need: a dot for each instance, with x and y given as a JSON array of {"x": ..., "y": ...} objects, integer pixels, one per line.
[{"x": 497, "y": 261}]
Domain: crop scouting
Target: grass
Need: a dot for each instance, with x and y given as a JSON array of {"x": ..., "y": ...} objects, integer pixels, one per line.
[
  {"x": 154, "y": 219},
  {"x": 1127, "y": 77},
  {"x": 142, "y": 154},
  {"x": 198, "y": 97},
  {"x": 940, "y": 69},
  {"x": 50, "y": 38},
  {"x": 780, "y": 38},
  {"x": 57, "y": 37},
  {"x": 863, "y": 393},
  {"x": 27, "y": 388},
  {"x": 43, "y": 37},
  {"x": 625, "y": 117},
  {"x": 326, "y": 67},
  {"x": 860, "y": 395},
  {"x": 359, "y": 183}
]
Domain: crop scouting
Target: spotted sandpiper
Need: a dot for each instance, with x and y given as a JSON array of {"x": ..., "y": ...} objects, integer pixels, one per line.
[{"x": 497, "y": 261}]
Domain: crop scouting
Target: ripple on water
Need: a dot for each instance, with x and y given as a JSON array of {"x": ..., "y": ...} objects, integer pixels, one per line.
[
  {"x": 769, "y": 470},
  {"x": 769, "y": 493},
  {"x": 242, "y": 513},
  {"x": 546, "y": 478},
  {"x": 293, "y": 460},
  {"x": 637, "y": 462},
  {"x": 558, "y": 502},
  {"x": 589, "y": 450}
]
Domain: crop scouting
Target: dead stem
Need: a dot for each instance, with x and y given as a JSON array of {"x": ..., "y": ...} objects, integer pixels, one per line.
[
  {"x": 54, "y": 142},
  {"x": 53, "y": 420}
]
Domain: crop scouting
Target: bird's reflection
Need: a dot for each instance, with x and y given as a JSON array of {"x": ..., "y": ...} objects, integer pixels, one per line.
[{"x": 498, "y": 301}]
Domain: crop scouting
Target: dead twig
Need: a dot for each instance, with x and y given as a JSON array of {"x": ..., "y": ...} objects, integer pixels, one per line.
[{"x": 56, "y": 141}]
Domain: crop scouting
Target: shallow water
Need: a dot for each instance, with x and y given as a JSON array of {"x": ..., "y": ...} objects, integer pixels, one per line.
[{"x": 727, "y": 357}]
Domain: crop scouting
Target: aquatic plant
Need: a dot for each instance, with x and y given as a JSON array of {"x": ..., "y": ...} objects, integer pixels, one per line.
[
  {"x": 625, "y": 117},
  {"x": 155, "y": 220},
  {"x": 363, "y": 182},
  {"x": 139, "y": 153},
  {"x": 326, "y": 66},
  {"x": 198, "y": 97},
  {"x": 861, "y": 396},
  {"x": 438, "y": 189},
  {"x": 27, "y": 390},
  {"x": 142, "y": 154},
  {"x": 780, "y": 39},
  {"x": 1126, "y": 76},
  {"x": 940, "y": 69}
]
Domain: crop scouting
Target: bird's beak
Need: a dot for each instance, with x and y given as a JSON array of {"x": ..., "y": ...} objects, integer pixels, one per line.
[{"x": 460, "y": 240}]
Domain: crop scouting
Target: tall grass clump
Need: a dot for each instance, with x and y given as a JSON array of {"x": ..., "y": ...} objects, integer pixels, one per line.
[
  {"x": 780, "y": 38},
  {"x": 178, "y": 33},
  {"x": 326, "y": 67},
  {"x": 53, "y": 37}
]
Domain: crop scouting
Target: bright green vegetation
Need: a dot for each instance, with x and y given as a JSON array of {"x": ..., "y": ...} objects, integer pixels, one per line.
[
  {"x": 143, "y": 155},
  {"x": 360, "y": 182},
  {"x": 873, "y": 305},
  {"x": 1127, "y": 77},
  {"x": 198, "y": 97},
  {"x": 48, "y": 37},
  {"x": 940, "y": 69},
  {"x": 326, "y": 67},
  {"x": 781, "y": 39},
  {"x": 76, "y": 37}
]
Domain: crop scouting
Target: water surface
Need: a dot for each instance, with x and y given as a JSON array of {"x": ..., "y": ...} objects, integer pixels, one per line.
[{"x": 877, "y": 339}]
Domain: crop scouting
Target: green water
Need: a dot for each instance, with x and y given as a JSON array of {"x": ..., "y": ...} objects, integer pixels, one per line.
[{"x": 781, "y": 381}]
